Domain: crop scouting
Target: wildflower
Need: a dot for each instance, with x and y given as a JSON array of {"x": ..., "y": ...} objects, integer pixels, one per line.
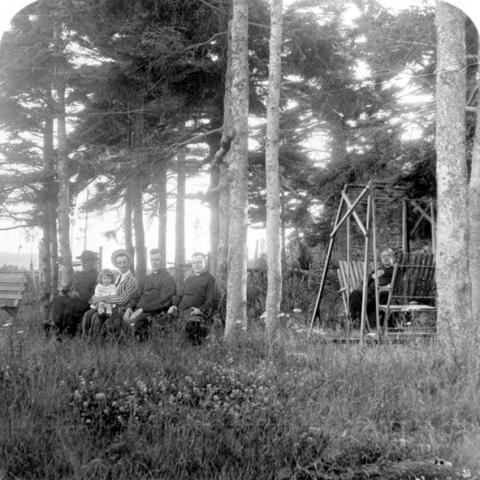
[
  {"x": 76, "y": 395},
  {"x": 142, "y": 386},
  {"x": 100, "y": 396},
  {"x": 466, "y": 473}
]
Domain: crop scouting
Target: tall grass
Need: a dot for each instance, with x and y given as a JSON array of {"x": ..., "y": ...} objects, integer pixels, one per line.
[{"x": 78, "y": 410}]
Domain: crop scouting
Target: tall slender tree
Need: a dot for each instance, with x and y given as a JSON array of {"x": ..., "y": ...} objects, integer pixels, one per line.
[
  {"x": 180, "y": 218},
  {"x": 162, "y": 210},
  {"x": 453, "y": 279},
  {"x": 473, "y": 217},
  {"x": 274, "y": 248},
  {"x": 238, "y": 163}
]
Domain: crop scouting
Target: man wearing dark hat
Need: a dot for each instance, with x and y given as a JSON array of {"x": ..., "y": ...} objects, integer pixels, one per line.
[
  {"x": 76, "y": 288},
  {"x": 126, "y": 292}
]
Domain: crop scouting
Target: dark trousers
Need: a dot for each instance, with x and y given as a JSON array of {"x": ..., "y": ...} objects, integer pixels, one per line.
[
  {"x": 101, "y": 326},
  {"x": 66, "y": 314},
  {"x": 196, "y": 327},
  {"x": 148, "y": 321},
  {"x": 356, "y": 307}
]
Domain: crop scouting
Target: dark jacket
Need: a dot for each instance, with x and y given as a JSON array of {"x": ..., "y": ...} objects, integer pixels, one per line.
[
  {"x": 158, "y": 291},
  {"x": 383, "y": 280},
  {"x": 199, "y": 291},
  {"x": 84, "y": 283}
]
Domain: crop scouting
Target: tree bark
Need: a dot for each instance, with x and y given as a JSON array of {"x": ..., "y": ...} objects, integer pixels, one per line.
[
  {"x": 45, "y": 266},
  {"x": 137, "y": 201},
  {"x": 238, "y": 163},
  {"x": 63, "y": 210},
  {"x": 474, "y": 220},
  {"x": 221, "y": 162},
  {"x": 162, "y": 210},
  {"x": 214, "y": 215},
  {"x": 180, "y": 219},
  {"x": 140, "y": 257},
  {"x": 127, "y": 224},
  {"x": 452, "y": 273},
  {"x": 272, "y": 171}
]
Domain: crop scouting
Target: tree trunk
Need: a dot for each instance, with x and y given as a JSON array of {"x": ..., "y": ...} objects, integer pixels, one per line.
[
  {"x": 45, "y": 266},
  {"x": 162, "y": 210},
  {"x": 272, "y": 172},
  {"x": 474, "y": 220},
  {"x": 221, "y": 162},
  {"x": 127, "y": 225},
  {"x": 213, "y": 195},
  {"x": 453, "y": 279},
  {"x": 180, "y": 219},
  {"x": 238, "y": 163},
  {"x": 137, "y": 201},
  {"x": 140, "y": 257},
  {"x": 214, "y": 215},
  {"x": 338, "y": 144},
  {"x": 63, "y": 210},
  {"x": 54, "y": 248}
]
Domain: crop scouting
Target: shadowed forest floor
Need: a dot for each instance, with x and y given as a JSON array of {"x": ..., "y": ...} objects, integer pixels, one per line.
[{"x": 78, "y": 410}]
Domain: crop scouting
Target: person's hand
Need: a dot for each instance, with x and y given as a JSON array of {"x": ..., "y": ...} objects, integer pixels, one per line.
[
  {"x": 379, "y": 273},
  {"x": 136, "y": 314},
  {"x": 195, "y": 311},
  {"x": 127, "y": 314},
  {"x": 172, "y": 309},
  {"x": 95, "y": 300}
]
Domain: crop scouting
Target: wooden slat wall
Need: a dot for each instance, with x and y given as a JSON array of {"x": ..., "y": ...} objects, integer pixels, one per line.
[
  {"x": 12, "y": 286},
  {"x": 415, "y": 278}
]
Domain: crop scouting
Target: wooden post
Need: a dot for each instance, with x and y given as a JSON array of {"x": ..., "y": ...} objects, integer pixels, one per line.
[
  {"x": 433, "y": 227},
  {"x": 325, "y": 269},
  {"x": 404, "y": 227},
  {"x": 347, "y": 326},
  {"x": 375, "y": 260},
  {"x": 365, "y": 273}
]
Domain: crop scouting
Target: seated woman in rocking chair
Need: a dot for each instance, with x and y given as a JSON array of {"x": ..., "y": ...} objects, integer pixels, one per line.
[{"x": 385, "y": 273}]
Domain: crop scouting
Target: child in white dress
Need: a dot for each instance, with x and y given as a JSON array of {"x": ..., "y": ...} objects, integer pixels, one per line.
[{"x": 106, "y": 286}]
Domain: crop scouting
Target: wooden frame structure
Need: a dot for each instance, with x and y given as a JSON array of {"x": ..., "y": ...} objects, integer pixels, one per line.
[{"x": 371, "y": 193}]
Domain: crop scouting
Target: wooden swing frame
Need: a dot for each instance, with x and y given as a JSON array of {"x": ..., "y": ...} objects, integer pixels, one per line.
[{"x": 371, "y": 193}]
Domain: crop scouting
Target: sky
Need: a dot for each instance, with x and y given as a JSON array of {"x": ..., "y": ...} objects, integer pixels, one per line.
[{"x": 197, "y": 216}]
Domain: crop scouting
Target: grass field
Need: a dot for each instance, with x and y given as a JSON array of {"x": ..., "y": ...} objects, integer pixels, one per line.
[{"x": 160, "y": 410}]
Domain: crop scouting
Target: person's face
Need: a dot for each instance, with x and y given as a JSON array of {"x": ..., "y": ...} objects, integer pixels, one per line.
[
  {"x": 387, "y": 258},
  {"x": 88, "y": 265},
  {"x": 122, "y": 263},
  {"x": 156, "y": 261},
  {"x": 198, "y": 264},
  {"x": 106, "y": 280}
]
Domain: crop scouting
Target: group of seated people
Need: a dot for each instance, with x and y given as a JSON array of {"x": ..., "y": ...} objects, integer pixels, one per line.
[{"x": 119, "y": 304}]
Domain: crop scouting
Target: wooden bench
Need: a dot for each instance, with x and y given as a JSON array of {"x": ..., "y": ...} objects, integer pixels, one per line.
[
  {"x": 12, "y": 287},
  {"x": 350, "y": 277},
  {"x": 413, "y": 287}
]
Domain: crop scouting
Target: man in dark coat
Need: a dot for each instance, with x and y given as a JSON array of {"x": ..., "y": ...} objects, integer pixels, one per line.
[
  {"x": 69, "y": 306},
  {"x": 155, "y": 298},
  {"x": 197, "y": 301}
]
